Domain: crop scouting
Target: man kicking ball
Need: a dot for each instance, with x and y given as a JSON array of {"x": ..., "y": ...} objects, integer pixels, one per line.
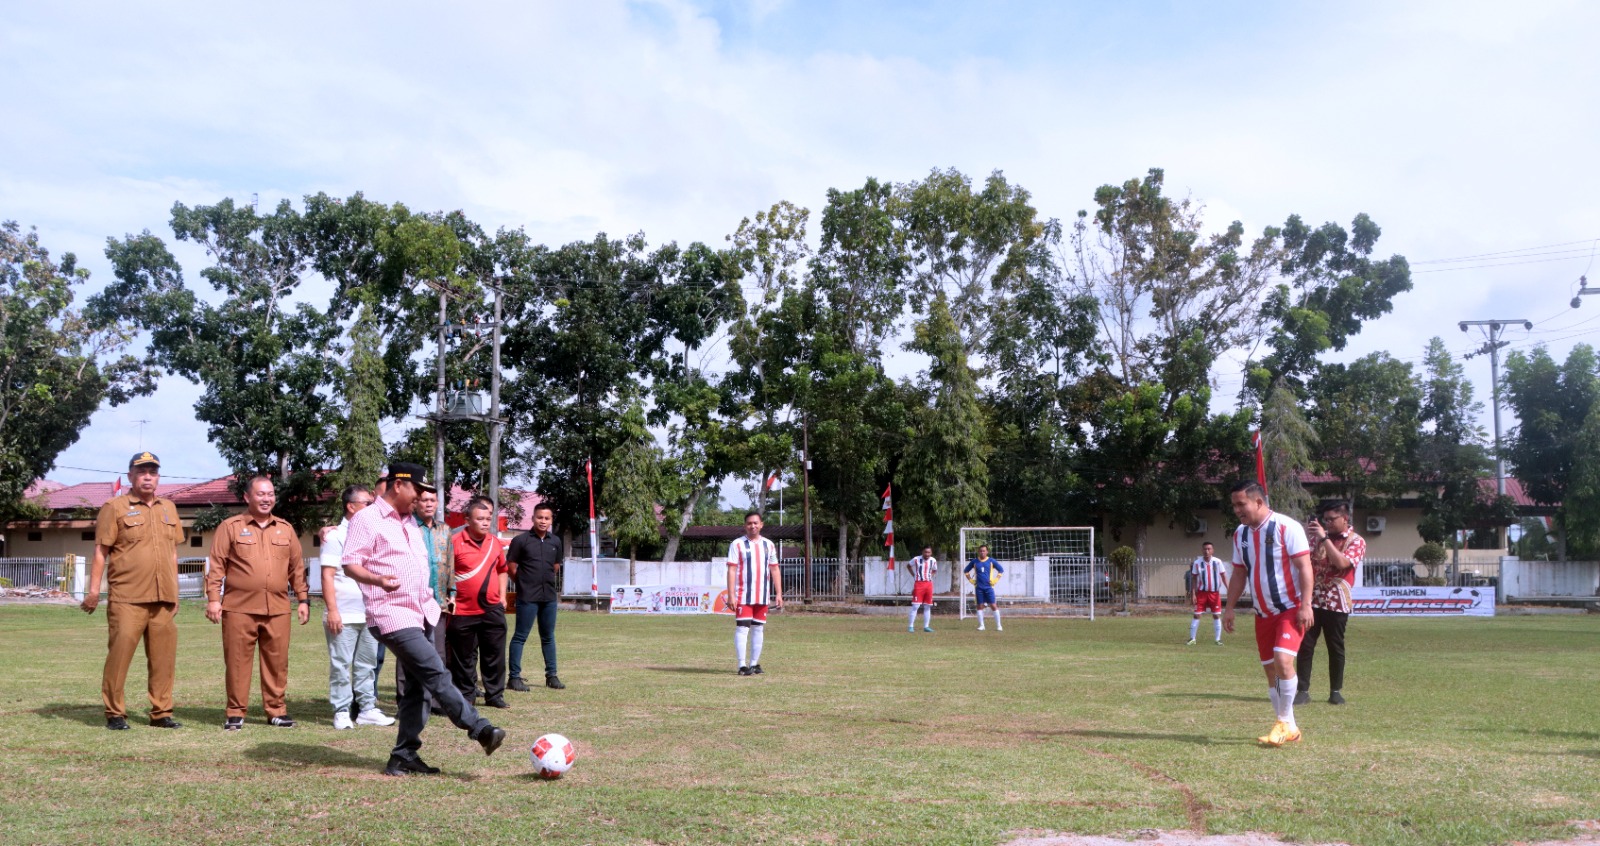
[
  {"x": 1274, "y": 549},
  {"x": 1207, "y": 582},
  {"x": 754, "y": 581},
  {"x": 983, "y": 570},
  {"x": 922, "y": 569}
]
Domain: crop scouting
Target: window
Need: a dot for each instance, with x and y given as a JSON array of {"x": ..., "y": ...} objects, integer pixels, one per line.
[
  {"x": 35, "y": 537},
  {"x": 195, "y": 541},
  {"x": 316, "y": 539},
  {"x": 88, "y": 536}
]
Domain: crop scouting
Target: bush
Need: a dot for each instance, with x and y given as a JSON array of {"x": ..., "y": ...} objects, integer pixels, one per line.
[
  {"x": 1122, "y": 560},
  {"x": 1431, "y": 555}
]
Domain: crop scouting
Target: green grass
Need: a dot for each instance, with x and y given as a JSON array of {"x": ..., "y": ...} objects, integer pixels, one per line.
[{"x": 1458, "y": 731}]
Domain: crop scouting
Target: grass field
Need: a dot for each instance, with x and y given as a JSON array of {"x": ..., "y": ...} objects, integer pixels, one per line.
[{"x": 1458, "y": 731}]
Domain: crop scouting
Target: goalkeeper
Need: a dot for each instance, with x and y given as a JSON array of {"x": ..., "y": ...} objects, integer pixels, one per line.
[{"x": 983, "y": 572}]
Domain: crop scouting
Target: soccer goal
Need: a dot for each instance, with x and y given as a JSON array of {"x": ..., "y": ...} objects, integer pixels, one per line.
[{"x": 1044, "y": 563}]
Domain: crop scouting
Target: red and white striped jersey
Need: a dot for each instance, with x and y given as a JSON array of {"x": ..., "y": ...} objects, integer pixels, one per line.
[
  {"x": 1207, "y": 573},
  {"x": 754, "y": 577},
  {"x": 922, "y": 569},
  {"x": 1268, "y": 553}
]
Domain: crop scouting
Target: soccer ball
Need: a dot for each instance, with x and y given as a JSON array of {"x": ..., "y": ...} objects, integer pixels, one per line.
[{"x": 552, "y": 755}]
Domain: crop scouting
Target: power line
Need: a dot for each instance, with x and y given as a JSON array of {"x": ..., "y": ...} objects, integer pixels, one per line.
[
  {"x": 120, "y": 472},
  {"x": 1507, "y": 252}
]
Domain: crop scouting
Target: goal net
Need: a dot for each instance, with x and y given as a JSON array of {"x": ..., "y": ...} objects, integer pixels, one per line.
[{"x": 1054, "y": 564}]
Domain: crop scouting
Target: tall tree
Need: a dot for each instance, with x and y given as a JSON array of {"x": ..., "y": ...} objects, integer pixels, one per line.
[
  {"x": 57, "y": 364},
  {"x": 1552, "y": 402},
  {"x": 1368, "y": 416},
  {"x": 1287, "y": 441},
  {"x": 262, "y": 360},
  {"x": 633, "y": 485},
  {"x": 944, "y": 479}
]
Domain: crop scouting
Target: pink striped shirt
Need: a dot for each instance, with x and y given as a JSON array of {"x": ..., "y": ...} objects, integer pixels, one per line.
[{"x": 389, "y": 543}]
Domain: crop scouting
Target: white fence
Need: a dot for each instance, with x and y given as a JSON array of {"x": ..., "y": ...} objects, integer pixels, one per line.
[{"x": 1536, "y": 579}]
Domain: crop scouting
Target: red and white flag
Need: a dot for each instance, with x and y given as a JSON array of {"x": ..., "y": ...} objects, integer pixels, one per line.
[
  {"x": 1261, "y": 464},
  {"x": 116, "y": 487},
  {"x": 772, "y": 481},
  {"x": 888, "y": 523}
]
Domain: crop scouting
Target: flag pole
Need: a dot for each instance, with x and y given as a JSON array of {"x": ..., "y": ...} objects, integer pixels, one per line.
[{"x": 594, "y": 534}]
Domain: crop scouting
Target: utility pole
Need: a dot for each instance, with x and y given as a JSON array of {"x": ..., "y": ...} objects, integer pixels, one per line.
[
  {"x": 496, "y": 425},
  {"x": 805, "y": 492},
  {"x": 1492, "y": 347},
  {"x": 438, "y": 422}
]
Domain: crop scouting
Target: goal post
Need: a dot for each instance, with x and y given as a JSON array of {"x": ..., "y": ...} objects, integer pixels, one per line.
[{"x": 1055, "y": 562}]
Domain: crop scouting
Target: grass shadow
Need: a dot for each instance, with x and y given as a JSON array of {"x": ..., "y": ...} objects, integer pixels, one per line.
[
  {"x": 306, "y": 754},
  {"x": 89, "y": 715},
  {"x": 1220, "y": 697},
  {"x": 1101, "y": 734},
  {"x": 707, "y": 671}
]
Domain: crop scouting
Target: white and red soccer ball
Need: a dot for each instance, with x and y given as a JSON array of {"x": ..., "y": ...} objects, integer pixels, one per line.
[{"x": 552, "y": 755}]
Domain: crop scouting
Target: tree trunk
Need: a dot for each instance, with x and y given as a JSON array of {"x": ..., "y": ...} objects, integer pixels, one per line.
[
  {"x": 633, "y": 560},
  {"x": 673, "y": 539}
]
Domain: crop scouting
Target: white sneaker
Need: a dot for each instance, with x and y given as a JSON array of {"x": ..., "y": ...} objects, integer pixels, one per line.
[
  {"x": 981, "y": 629},
  {"x": 341, "y": 720},
  {"x": 374, "y": 717},
  {"x": 999, "y": 628}
]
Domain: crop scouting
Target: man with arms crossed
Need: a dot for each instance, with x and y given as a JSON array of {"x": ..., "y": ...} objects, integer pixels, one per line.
[
  {"x": 1272, "y": 548},
  {"x": 477, "y": 635},
  {"x": 352, "y": 650},
  {"x": 1207, "y": 581},
  {"x": 1336, "y": 552},
  {"x": 255, "y": 563},
  {"x": 535, "y": 563},
  {"x": 138, "y": 535},
  {"x": 384, "y": 553},
  {"x": 922, "y": 569},
  {"x": 754, "y": 581}
]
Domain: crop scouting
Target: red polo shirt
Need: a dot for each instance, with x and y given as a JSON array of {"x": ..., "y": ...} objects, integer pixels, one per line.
[{"x": 479, "y": 567}]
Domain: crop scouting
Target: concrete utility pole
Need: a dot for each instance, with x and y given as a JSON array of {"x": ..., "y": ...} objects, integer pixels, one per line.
[
  {"x": 438, "y": 422},
  {"x": 1492, "y": 347}
]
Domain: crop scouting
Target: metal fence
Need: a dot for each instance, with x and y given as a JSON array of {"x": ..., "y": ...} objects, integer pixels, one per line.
[
  {"x": 51, "y": 573},
  {"x": 830, "y": 580}
]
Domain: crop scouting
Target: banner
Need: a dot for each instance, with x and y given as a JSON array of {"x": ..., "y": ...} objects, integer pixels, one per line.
[
  {"x": 669, "y": 599},
  {"x": 1423, "y": 601}
]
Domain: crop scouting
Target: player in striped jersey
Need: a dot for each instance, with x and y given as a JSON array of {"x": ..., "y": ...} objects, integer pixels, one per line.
[
  {"x": 1207, "y": 581},
  {"x": 922, "y": 569},
  {"x": 1273, "y": 549},
  {"x": 754, "y": 582}
]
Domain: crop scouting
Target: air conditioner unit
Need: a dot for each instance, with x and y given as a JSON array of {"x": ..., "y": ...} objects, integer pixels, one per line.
[
  {"x": 1197, "y": 526},
  {"x": 1375, "y": 525}
]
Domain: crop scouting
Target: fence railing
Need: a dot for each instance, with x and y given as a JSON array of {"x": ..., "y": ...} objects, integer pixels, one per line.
[
  {"x": 50, "y": 573},
  {"x": 830, "y": 580}
]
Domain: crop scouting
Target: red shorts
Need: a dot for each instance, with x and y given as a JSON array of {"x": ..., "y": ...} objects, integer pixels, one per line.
[
  {"x": 1278, "y": 633},
  {"x": 1208, "y": 600},
  {"x": 922, "y": 593},
  {"x": 755, "y": 613}
]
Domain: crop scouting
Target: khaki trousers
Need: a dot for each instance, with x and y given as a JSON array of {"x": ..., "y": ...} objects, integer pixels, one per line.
[
  {"x": 243, "y": 635},
  {"x": 129, "y": 623}
]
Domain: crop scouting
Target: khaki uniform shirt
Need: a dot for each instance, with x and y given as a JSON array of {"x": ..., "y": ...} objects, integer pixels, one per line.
[
  {"x": 143, "y": 564},
  {"x": 253, "y": 568}
]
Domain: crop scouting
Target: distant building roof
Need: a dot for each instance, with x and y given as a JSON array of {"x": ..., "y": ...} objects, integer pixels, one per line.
[{"x": 92, "y": 495}]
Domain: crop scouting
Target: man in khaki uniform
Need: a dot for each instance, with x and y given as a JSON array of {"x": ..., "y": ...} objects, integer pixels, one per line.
[
  {"x": 255, "y": 562},
  {"x": 137, "y": 535}
]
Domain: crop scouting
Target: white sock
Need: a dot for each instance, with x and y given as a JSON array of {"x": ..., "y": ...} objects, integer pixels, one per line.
[
  {"x": 1286, "y": 691},
  {"x": 997, "y": 619},
  {"x": 1194, "y": 627},
  {"x": 927, "y": 616},
  {"x": 741, "y": 640},
  {"x": 1277, "y": 707},
  {"x": 757, "y": 635},
  {"x": 980, "y": 618},
  {"x": 1216, "y": 625},
  {"x": 911, "y": 622}
]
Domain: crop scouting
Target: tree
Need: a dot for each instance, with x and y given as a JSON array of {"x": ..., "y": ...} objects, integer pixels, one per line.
[
  {"x": 265, "y": 366},
  {"x": 1368, "y": 417},
  {"x": 944, "y": 479},
  {"x": 1286, "y": 443},
  {"x": 633, "y": 483},
  {"x": 1553, "y": 403},
  {"x": 1452, "y": 454},
  {"x": 57, "y": 363}
]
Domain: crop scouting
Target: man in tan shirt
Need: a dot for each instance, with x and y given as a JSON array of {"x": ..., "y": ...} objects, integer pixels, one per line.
[
  {"x": 136, "y": 550},
  {"x": 255, "y": 562}
]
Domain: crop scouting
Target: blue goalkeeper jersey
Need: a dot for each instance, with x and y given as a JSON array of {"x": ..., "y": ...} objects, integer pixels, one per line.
[{"x": 979, "y": 568}]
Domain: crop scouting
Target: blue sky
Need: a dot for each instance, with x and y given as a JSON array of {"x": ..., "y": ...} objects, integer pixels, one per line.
[{"x": 1463, "y": 128}]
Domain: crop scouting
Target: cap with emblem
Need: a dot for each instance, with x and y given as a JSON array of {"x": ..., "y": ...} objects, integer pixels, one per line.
[
  {"x": 404, "y": 471},
  {"x": 142, "y": 459}
]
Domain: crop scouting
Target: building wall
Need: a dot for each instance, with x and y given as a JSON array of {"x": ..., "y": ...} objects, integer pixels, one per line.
[{"x": 1398, "y": 540}]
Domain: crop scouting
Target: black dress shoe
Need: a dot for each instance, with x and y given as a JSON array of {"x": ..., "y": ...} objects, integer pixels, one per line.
[
  {"x": 166, "y": 723},
  {"x": 1302, "y": 698},
  {"x": 755, "y": 669},
  {"x": 233, "y": 724},
  {"x": 491, "y": 738},
  {"x": 282, "y": 721},
  {"x": 117, "y": 723},
  {"x": 553, "y": 682},
  {"x": 1335, "y": 698},
  {"x": 497, "y": 702},
  {"x": 517, "y": 684},
  {"x": 399, "y": 766}
]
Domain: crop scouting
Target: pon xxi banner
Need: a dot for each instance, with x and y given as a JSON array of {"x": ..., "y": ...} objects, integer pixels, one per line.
[
  {"x": 1423, "y": 601},
  {"x": 669, "y": 599}
]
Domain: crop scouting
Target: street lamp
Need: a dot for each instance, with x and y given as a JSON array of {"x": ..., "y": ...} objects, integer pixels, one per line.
[{"x": 1583, "y": 288}]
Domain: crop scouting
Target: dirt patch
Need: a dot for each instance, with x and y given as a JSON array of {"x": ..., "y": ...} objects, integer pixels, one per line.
[
  {"x": 1157, "y": 837},
  {"x": 34, "y": 595}
]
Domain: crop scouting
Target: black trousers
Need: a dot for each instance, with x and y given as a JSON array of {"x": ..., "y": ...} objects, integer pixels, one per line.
[
  {"x": 425, "y": 674},
  {"x": 477, "y": 641},
  {"x": 1328, "y": 625}
]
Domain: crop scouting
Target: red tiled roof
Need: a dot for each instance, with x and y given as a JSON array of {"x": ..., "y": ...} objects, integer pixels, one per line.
[
  {"x": 93, "y": 495},
  {"x": 1514, "y": 489},
  {"x": 214, "y": 492},
  {"x": 525, "y": 500},
  {"x": 41, "y": 486}
]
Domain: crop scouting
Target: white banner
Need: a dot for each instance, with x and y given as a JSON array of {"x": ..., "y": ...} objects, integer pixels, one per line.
[
  {"x": 669, "y": 599},
  {"x": 1423, "y": 601}
]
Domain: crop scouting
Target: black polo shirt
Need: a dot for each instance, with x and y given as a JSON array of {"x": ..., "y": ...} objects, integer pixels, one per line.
[{"x": 535, "y": 559}]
